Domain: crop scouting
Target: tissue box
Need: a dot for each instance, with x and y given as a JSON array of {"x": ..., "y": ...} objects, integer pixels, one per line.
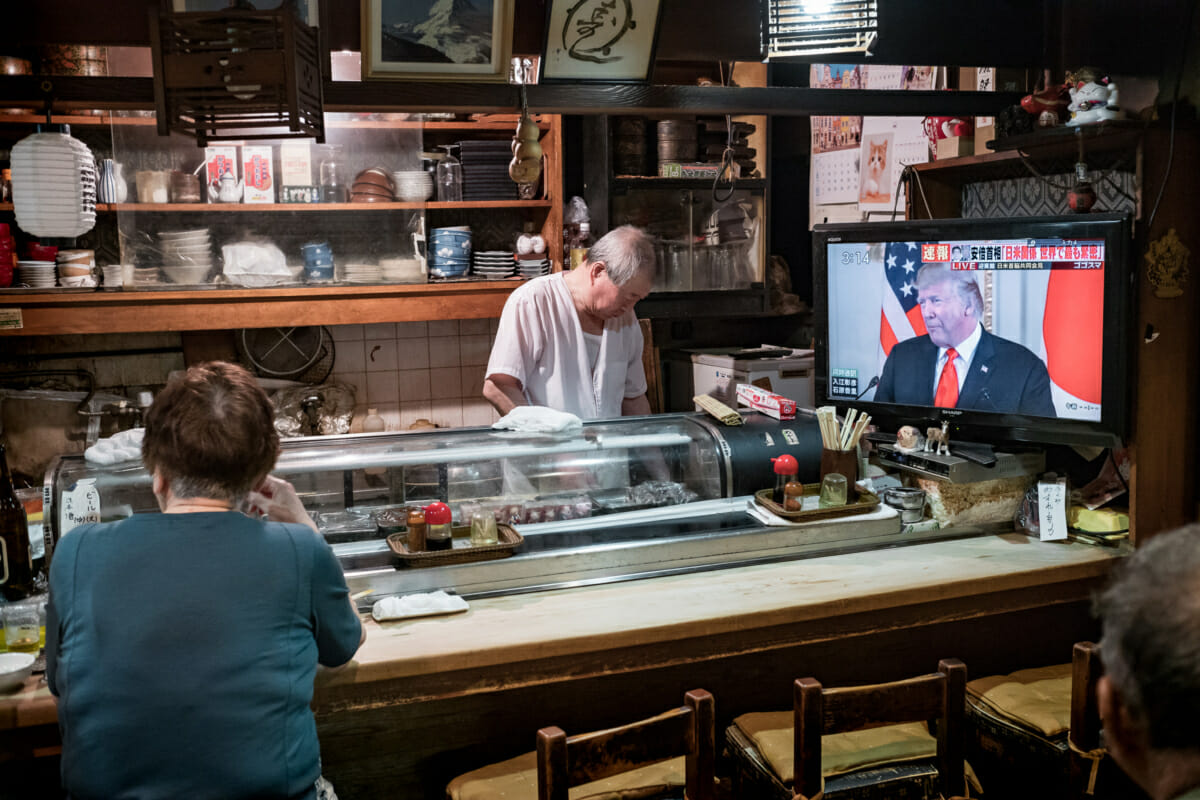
[
  {"x": 295, "y": 163},
  {"x": 769, "y": 403},
  {"x": 217, "y": 159},
  {"x": 955, "y": 146},
  {"x": 259, "y": 169}
]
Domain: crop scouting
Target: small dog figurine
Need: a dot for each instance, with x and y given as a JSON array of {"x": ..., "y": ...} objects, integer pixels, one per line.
[
  {"x": 937, "y": 440},
  {"x": 908, "y": 439}
]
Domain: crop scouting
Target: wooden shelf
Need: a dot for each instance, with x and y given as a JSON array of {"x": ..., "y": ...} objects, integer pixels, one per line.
[
  {"x": 222, "y": 309},
  {"x": 106, "y": 118},
  {"x": 255, "y": 208},
  {"x": 620, "y": 182}
]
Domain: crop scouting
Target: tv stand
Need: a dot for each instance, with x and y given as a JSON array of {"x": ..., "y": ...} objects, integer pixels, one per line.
[{"x": 968, "y": 462}]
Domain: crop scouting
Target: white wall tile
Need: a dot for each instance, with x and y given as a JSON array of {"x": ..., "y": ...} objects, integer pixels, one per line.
[
  {"x": 411, "y": 330},
  {"x": 443, "y": 351},
  {"x": 472, "y": 382},
  {"x": 356, "y": 379},
  {"x": 475, "y": 350},
  {"x": 414, "y": 385},
  {"x": 445, "y": 383},
  {"x": 391, "y": 417},
  {"x": 477, "y": 413},
  {"x": 381, "y": 355},
  {"x": 411, "y": 412},
  {"x": 443, "y": 327},
  {"x": 412, "y": 353},
  {"x": 472, "y": 327},
  {"x": 380, "y": 330},
  {"x": 447, "y": 413},
  {"x": 381, "y": 388},
  {"x": 346, "y": 333},
  {"x": 350, "y": 356}
]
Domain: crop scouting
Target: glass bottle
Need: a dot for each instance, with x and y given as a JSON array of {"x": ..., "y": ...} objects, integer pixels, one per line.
[
  {"x": 416, "y": 530},
  {"x": 16, "y": 564},
  {"x": 449, "y": 177},
  {"x": 437, "y": 532},
  {"x": 786, "y": 469},
  {"x": 581, "y": 240},
  {"x": 793, "y": 496},
  {"x": 333, "y": 185}
]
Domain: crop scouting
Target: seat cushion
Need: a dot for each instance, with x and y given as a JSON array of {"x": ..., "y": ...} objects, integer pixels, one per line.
[
  {"x": 516, "y": 779},
  {"x": 773, "y": 736},
  {"x": 1038, "y": 699}
]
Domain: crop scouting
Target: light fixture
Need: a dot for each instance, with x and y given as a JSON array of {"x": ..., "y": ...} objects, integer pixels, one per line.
[
  {"x": 802, "y": 28},
  {"x": 236, "y": 74}
]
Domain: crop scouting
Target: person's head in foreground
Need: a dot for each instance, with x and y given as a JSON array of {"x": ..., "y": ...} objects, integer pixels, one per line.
[
  {"x": 619, "y": 271},
  {"x": 1149, "y": 696},
  {"x": 210, "y": 435}
]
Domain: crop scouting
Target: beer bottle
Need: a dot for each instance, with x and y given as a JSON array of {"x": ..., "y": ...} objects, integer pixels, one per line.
[{"x": 16, "y": 566}]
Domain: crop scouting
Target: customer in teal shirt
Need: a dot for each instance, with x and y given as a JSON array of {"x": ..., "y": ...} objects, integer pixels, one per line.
[{"x": 182, "y": 646}]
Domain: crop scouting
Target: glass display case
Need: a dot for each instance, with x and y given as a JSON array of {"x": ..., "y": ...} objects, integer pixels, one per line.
[{"x": 614, "y": 500}]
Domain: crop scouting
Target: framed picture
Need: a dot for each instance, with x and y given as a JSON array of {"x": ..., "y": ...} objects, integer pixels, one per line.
[
  {"x": 437, "y": 39},
  {"x": 600, "y": 40},
  {"x": 307, "y": 9}
]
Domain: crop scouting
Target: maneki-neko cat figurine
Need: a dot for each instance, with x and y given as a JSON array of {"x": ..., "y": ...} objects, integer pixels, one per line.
[{"x": 1093, "y": 98}]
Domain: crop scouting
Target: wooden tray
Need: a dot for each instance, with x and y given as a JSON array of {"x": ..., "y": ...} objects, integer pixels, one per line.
[
  {"x": 865, "y": 503},
  {"x": 507, "y": 535}
]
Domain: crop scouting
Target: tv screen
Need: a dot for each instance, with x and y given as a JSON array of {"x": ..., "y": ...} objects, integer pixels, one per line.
[{"x": 1011, "y": 330}]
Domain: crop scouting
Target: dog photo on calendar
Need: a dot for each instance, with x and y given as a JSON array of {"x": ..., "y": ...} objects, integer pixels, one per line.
[{"x": 875, "y": 174}]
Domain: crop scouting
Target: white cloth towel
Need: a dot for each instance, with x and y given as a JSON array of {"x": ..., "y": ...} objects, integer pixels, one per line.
[
  {"x": 537, "y": 419},
  {"x": 122, "y": 446},
  {"x": 417, "y": 605}
]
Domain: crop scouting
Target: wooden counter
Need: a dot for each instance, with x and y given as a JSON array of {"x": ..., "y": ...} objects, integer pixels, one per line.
[{"x": 425, "y": 699}]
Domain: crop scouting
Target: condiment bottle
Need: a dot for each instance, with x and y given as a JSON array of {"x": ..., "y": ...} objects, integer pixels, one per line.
[
  {"x": 16, "y": 564},
  {"x": 786, "y": 469},
  {"x": 793, "y": 496},
  {"x": 416, "y": 530},
  {"x": 437, "y": 535},
  {"x": 373, "y": 423}
]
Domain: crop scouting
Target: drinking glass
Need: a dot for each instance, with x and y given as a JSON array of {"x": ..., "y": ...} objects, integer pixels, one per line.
[
  {"x": 333, "y": 185},
  {"x": 483, "y": 529},
  {"x": 21, "y": 626},
  {"x": 833, "y": 490},
  {"x": 449, "y": 176}
]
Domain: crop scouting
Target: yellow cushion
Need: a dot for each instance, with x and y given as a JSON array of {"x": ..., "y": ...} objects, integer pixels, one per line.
[
  {"x": 1039, "y": 699},
  {"x": 516, "y": 779},
  {"x": 773, "y": 735}
]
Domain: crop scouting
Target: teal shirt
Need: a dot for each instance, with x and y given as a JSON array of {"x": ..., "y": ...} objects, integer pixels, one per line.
[{"x": 182, "y": 649}]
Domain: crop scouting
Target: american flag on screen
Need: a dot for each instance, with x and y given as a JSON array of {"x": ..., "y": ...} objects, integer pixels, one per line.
[{"x": 901, "y": 316}]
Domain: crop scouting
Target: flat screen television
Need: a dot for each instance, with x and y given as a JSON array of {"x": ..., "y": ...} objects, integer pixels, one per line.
[{"x": 1048, "y": 361}]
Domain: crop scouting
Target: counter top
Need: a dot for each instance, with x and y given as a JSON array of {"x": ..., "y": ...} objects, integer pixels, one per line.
[{"x": 524, "y": 639}]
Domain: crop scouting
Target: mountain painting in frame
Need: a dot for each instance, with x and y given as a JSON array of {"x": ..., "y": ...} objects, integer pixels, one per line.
[
  {"x": 452, "y": 40},
  {"x": 600, "y": 40}
]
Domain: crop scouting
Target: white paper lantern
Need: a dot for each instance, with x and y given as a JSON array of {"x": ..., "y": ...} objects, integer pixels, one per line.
[{"x": 54, "y": 185}]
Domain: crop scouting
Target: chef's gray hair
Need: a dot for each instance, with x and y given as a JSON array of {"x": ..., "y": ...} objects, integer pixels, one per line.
[
  {"x": 1151, "y": 642},
  {"x": 625, "y": 251}
]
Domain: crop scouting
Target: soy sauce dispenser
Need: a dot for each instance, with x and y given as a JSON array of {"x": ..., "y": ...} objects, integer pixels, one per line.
[{"x": 786, "y": 469}]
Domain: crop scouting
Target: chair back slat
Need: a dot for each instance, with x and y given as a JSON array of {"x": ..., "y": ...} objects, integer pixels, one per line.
[
  {"x": 940, "y": 696},
  {"x": 1085, "y": 709},
  {"x": 564, "y": 762}
]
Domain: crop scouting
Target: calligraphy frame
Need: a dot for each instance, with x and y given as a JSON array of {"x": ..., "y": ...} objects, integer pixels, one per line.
[{"x": 625, "y": 56}]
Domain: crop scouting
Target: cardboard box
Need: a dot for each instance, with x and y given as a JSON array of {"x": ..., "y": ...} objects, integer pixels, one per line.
[
  {"x": 218, "y": 159},
  {"x": 983, "y": 135},
  {"x": 295, "y": 163},
  {"x": 955, "y": 146},
  {"x": 258, "y": 167},
  {"x": 771, "y": 404}
]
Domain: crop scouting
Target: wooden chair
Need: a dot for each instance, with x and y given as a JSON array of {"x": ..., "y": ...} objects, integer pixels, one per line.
[
  {"x": 940, "y": 696},
  {"x": 563, "y": 761},
  {"x": 1091, "y": 775}
]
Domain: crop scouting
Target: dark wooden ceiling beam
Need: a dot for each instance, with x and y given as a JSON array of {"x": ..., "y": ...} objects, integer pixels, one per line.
[{"x": 138, "y": 93}]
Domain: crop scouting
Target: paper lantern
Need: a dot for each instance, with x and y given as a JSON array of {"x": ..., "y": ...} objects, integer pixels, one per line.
[{"x": 54, "y": 184}]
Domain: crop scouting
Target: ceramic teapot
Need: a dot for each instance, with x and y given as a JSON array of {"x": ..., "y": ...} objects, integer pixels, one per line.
[{"x": 225, "y": 189}]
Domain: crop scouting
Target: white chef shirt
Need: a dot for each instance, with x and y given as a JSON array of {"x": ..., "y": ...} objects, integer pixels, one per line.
[{"x": 541, "y": 343}]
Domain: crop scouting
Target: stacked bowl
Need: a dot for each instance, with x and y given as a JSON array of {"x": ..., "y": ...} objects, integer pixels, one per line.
[
  {"x": 413, "y": 185},
  {"x": 450, "y": 251},
  {"x": 318, "y": 262},
  {"x": 187, "y": 255},
  {"x": 34, "y": 274},
  {"x": 76, "y": 267},
  {"x": 373, "y": 185}
]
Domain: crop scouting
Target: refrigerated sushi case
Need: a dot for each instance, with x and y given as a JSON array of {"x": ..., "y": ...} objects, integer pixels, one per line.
[{"x": 619, "y": 499}]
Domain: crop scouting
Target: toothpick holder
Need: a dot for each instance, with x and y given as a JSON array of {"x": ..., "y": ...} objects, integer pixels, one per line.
[{"x": 844, "y": 462}]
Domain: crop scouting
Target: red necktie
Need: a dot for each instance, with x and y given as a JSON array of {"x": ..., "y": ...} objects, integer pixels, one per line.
[{"x": 947, "y": 388}]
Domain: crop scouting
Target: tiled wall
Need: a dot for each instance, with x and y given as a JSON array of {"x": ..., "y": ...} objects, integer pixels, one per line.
[{"x": 417, "y": 370}]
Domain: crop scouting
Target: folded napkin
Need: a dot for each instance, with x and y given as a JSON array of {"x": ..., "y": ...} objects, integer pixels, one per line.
[
  {"x": 417, "y": 605},
  {"x": 123, "y": 446},
  {"x": 537, "y": 419}
]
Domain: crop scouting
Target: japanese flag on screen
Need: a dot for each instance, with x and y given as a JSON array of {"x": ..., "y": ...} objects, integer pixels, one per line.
[{"x": 900, "y": 317}]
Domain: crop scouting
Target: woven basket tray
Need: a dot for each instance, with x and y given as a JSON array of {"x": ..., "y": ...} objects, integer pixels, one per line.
[
  {"x": 507, "y": 535},
  {"x": 865, "y": 503}
]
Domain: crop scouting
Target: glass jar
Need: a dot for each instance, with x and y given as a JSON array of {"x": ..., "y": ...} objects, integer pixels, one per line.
[
  {"x": 449, "y": 177},
  {"x": 333, "y": 184}
]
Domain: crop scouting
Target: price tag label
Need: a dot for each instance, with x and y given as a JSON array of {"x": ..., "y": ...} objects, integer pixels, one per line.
[
  {"x": 1052, "y": 509},
  {"x": 80, "y": 504},
  {"x": 11, "y": 319}
]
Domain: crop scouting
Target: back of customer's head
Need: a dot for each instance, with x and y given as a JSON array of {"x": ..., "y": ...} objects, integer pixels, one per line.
[
  {"x": 625, "y": 251},
  {"x": 1151, "y": 642},
  {"x": 210, "y": 433}
]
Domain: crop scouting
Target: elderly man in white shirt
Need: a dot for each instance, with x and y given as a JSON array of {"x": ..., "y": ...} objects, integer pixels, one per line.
[{"x": 570, "y": 340}]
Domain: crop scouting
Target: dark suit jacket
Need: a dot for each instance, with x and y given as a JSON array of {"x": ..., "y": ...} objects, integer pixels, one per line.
[{"x": 1004, "y": 377}]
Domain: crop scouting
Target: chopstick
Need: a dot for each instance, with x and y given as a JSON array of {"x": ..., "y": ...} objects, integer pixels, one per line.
[{"x": 843, "y": 435}]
